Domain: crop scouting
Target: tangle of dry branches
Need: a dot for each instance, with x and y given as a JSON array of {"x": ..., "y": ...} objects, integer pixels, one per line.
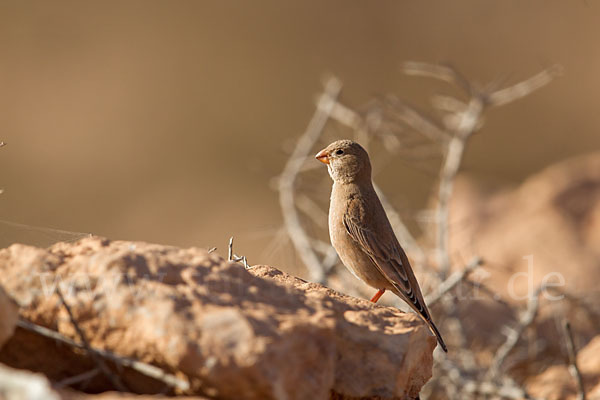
[{"x": 460, "y": 374}]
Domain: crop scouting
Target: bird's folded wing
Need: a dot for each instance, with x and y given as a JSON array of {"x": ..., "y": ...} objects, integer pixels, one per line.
[{"x": 387, "y": 256}]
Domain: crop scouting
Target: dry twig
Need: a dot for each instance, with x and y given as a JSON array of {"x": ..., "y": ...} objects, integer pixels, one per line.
[
  {"x": 402, "y": 233},
  {"x": 515, "y": 333},
  {"x": 142, "y": 368},
  {"x": 452, "y": 281},
  {"x": 387, "y": 120},
  {"x": 572, "y": 357},
  {"x": 113, "y": 378},
  {"x": 290, "y": 172},
  {"x": 235, "y": 258},
  {"x": 467, "y": 122},
  {"x": 73, "y": 380}
]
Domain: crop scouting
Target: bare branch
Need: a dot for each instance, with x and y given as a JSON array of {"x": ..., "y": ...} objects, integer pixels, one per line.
[
  {"x": 418, "y": 121},
  {"x": 463, "y": 121},
  {"x": 454, "y": 155},
  {"x": 448, "y": 132},
  {"x": 515, "y": 334},
  {"x": 343, "y": 114},
  {"x": 312, "y": 210},
  {"x": 446, "y": 73},
  {"x": 573, "y": 368},
  {"x": 448, "y": 104},
  {"x": 452, "y": 281},
  {"x": 489, "y": 292},
  {"x": 113, "y": 378},
  {"x": 402, "y": 233},
  {"x": 231, "y": 256},
  {"x": 524, "y": 88},
  {"x": 143, "y": 368},
  {"x": 465, "y": 386},
  {"x": 287, "y": 180},
  {"x": 72, "y": 380}
]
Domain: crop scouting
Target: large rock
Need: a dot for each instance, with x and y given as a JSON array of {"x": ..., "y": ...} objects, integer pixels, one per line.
[
  {"x": 24, "y": 385},
  {"x": 232, "y": 333},
  {"x": 546, "y": 230}
]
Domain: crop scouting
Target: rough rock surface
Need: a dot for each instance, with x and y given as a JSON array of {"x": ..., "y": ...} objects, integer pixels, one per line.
[
  {"x": 556, "y": 383},
  {"x": 8, "y": 316},
  {"x": 232, "y": 333}
]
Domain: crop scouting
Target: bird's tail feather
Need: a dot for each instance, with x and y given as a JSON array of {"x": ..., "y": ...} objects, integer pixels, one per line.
[
  {"x": 422, "y": 311},
  {"x": 437, "y": 334}
]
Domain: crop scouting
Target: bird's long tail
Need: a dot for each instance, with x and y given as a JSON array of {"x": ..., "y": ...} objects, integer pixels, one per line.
[
  {"x": 437, "y": 334},
  {"x": 418, "y": 305}
]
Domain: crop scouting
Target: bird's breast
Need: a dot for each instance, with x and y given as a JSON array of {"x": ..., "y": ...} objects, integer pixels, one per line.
[{"x": 349, "y": 251}]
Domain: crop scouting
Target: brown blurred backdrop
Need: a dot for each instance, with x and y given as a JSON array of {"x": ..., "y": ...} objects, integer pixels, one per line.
[{"x": 166, "y": 121}]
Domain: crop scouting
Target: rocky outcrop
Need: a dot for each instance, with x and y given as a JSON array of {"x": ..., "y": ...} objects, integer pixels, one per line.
[
  {"x": 546, "y": 231},
  {"x": 24, "y": 385},
  {"x": 228, "y": 332}
]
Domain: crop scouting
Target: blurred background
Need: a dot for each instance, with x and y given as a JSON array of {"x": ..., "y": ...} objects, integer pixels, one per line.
[{"x": 168, "y": 121}]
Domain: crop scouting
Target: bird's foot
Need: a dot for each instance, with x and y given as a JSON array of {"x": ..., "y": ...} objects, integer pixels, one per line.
[{"x": 379, "y": 293}]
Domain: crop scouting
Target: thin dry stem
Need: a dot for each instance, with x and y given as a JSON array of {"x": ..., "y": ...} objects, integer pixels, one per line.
[
  {"x": 572, "y": 357},
  {"x": 287, "y": 180},
  {"x": 142, "y": 368},
  {"x": 418, "y": 121},
  {"x": 72, "y": 380},
  {"x": 524, "y": 88},
  {"x": 391, "y": 121},
  {"x": 452, "y": 281},
  {"x": 231, "y": 256},
  {"x": 114, "y": 379},
  {"x": 515, "y": 333},
  {"x": 445, "y": 73},
  {"x": 404, "y": 236}
]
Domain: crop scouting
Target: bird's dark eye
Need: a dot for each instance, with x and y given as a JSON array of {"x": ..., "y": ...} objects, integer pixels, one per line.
[{"x": 339, "y": 152}]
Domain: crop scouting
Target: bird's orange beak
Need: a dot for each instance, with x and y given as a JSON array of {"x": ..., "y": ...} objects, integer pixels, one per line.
[{"x": 323, "y": 156}]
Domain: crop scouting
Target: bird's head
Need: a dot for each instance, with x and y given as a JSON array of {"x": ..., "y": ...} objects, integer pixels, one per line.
[{"x": 347, "y": 161}]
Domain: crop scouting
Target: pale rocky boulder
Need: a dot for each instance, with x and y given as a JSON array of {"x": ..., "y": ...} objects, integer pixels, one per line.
[
  {"x": 24, "y": 385},
  {"x": 545, "y": 230},
  {"x": 231, "y": 333}
]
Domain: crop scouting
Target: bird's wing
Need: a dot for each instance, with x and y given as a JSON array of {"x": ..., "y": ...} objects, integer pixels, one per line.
[{"x": 389, "y": 258}]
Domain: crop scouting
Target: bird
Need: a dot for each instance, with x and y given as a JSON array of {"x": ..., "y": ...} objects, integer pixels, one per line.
[{"x": 361, "y": 233}]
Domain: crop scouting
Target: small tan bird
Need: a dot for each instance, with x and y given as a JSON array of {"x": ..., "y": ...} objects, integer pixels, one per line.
[{"x": 361, "y": 233}]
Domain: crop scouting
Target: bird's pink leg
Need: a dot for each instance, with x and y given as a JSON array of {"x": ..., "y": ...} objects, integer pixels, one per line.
[{"x": 379, "y": 293}]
